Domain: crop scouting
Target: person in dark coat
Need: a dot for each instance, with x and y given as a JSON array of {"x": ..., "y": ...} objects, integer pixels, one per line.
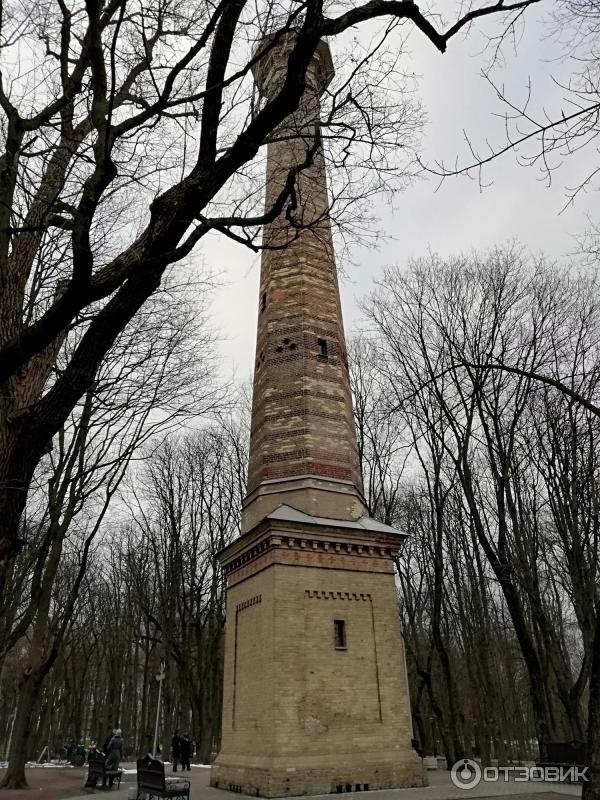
[
  {"x": 186, "y": 751},
  {"x": 114, "y": 755},
  {"x": 107, "y": 741},
  {"x": 176, "y": 749}
]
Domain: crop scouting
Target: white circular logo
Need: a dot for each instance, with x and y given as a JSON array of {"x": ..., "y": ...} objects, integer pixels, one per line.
[{"x": 465, "y": 774}]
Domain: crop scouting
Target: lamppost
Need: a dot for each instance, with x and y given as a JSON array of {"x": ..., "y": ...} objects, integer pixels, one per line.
[
  {"x": 160, "y": 678},
  {"x": 432, "y": 720}
]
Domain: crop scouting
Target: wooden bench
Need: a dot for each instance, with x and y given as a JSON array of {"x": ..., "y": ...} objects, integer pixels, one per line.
[
  {"x": 565, "y": 755},
  {"x": 97, "y": 771},
  {"x": 152, "y": 782}
]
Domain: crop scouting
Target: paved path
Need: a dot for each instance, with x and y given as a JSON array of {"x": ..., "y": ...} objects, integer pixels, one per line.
[
  {"x": 67, "y": 784},
  {"x": 440, "y": 788}
]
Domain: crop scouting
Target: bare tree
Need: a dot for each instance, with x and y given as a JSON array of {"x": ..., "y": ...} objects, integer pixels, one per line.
[
  {"x": 461, "y": 658},
  {"x": 187, "y": 507},
  {"x": 546, "y": 138},
  {"x": 145, "y": 387},
  {"x": 140, "y": 138},
  {"x": 383, "y": 445},
  {"x": 447, "y": 326},
  {"x": 568, "y": 370}
]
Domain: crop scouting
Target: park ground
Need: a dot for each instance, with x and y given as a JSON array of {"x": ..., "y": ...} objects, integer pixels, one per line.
[{"x": 67, "y": 783}]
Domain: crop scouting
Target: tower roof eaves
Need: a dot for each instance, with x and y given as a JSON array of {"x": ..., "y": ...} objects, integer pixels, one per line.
[{"x": 285, "y": 513}]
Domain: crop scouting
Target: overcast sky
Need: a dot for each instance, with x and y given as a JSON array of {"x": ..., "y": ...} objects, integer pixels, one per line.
[{"x": 459, "y": 215}]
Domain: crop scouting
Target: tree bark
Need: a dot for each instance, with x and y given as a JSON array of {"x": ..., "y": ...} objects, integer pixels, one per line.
[
  {"x": 591, "y": 789},
  {"x": 19, "y": 749}
]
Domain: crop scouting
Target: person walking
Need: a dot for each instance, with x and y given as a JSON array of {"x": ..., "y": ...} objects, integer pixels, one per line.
[
  {"x": 186, "y": 751},
  {"x": 176, "y": 749},
  {"x": 114, "y": 755}
]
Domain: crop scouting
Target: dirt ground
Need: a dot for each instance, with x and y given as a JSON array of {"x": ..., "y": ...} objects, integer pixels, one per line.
[{"x": 53, "y": 783}]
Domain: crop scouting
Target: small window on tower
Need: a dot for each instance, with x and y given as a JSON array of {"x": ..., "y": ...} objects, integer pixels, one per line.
[
  {"x": 263, "y": 301},
  {"x": 339, "y": 634},
  {"x": 322, "y": 344}
]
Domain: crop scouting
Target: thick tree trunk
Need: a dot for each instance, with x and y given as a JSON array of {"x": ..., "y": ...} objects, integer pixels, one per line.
[
  {"x": 482, "y": 742},
  {"x": 204, "y": 750},
  {"x": 439, "y": 718},
  {"x": 437, "y": 521},
  {"x": 13, "y": 494},
  {"x": 142, "y": 732},
  {"x": 591, "y": 789},
  {"x": 500, "y": 563},
  {"x": 19, "y": 749}
]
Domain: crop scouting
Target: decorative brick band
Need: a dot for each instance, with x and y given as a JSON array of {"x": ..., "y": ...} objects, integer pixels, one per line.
[
  {"x": 324, "y": 595},
  {"x": 277, "y": 396},
  {"x": 247, "y": 603},
  {"x": 297, "y": 358},
  {"x": 313, "y": 369},
  {"x": 270, "y": 437},
  {"x": 302, "y": 453},
  {"x": 301, "y": 543},
  {"x": 302, "y": 412},
  {"x": 316, "y": 327},
  {"x": 288, "y": 323},
  {"x": 312, "y": 467}
]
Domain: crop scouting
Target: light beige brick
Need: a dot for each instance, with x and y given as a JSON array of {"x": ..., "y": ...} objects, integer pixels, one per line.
[{"x": 299, "y": 715}]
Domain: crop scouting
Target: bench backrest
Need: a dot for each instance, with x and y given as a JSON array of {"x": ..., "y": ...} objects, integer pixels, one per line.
[
  {"x": 574, "y": 753},
  {"x": 150, "y": 773}
]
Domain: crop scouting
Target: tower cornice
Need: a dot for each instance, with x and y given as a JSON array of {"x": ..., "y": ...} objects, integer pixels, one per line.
[
  {"x": 270, "y": 69},
  {"x": 292, "y": 538}
]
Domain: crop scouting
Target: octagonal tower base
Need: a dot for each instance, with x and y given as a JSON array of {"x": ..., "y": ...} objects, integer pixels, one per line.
[{"x": 315, "y": 692}]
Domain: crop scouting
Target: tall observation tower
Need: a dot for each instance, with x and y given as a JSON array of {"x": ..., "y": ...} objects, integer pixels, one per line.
[{"x": 315, "y": 691}]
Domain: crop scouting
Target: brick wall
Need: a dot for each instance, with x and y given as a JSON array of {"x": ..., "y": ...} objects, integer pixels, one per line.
[
  {"x": 307, "y": 717},
  {"x": 302, "y": 422}
]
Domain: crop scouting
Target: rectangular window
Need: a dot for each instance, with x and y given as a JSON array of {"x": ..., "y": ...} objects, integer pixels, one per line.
[
  {"x": 263, "y": 301},
  {"x": 339, "y": 634},
  {"x": 322, "y": 343}
]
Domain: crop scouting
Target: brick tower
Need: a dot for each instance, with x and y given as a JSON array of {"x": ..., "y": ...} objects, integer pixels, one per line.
[{"x": 315, "y": 691}]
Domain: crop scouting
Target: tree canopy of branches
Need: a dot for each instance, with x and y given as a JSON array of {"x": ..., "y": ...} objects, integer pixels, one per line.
[
  {"x": 493, "y": 473},
  {"x": 153, "y": 595},
  {"x": 130, "y": 130},
  {"x": 149, "y": 383},
  {"x": 549, "y": 138},
  {"x": 509, "y": 468}
]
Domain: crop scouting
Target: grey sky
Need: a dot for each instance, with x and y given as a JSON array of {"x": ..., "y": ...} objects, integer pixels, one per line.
[{"x": 459, "y": 216}]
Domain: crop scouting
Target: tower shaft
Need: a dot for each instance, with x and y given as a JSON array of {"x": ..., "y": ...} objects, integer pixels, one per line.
[{"x": 303, "y": 441}]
